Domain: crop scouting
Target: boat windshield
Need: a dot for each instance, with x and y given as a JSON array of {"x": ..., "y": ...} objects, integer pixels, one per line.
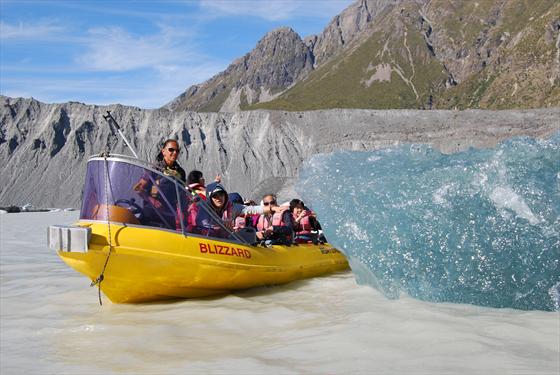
[{"x": 128, "y": 192}]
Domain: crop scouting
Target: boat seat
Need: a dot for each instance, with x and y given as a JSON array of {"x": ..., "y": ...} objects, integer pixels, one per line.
[
  {"x": 116, "y": 213},
  {"x": 248, "y": 234}
]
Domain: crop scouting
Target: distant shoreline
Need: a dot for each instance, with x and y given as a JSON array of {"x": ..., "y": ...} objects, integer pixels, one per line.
[{"x": 13, "y": 209}]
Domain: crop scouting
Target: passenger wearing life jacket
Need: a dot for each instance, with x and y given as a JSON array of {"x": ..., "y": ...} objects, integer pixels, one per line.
[
  {"x": 251, "y": 220},
  {"x": 305, "y": 222},
  {"x": 240, "y": 222},
  {"x": 275, "y": 226},
  {"x": 219, "y": 207},
  {"x": 196, "y": 183}
]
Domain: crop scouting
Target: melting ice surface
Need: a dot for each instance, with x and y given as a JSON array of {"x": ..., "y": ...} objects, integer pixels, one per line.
[{"x": 479, "y": 227}]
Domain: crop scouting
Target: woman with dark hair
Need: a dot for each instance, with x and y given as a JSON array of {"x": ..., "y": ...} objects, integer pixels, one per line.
[
  {"x": 305, "y": 222},
  {"x": 195, "y": 179},
  {"x": 197, "y": 184}
]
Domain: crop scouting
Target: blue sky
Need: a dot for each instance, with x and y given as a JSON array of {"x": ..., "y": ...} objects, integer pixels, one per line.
[{"x": 142, "y": 53}]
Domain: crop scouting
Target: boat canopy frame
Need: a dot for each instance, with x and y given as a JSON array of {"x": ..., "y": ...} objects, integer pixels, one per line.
[{"x": 122, "y": 189}]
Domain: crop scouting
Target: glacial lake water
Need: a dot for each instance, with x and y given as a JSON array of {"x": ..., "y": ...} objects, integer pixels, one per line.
[{"x": 51, "y": 322}]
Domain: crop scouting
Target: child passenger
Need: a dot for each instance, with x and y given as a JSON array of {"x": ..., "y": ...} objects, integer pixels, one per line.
[
  {"x": 305, "y": 222},
  {"x": 196, "y": 183}
]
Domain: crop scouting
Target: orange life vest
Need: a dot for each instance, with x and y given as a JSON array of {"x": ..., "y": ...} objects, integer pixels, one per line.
[
  {"x": 265, "y": 223},
  {"x": 304, "y": 225}
]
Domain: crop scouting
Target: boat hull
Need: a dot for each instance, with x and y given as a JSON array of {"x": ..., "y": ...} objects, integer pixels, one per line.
[{"x": 146, "y": 264}]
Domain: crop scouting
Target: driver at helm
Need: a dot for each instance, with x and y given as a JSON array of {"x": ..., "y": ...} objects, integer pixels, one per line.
[{"x": 159, "y": 192}]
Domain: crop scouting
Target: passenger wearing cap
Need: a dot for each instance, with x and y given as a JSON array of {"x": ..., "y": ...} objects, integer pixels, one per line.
[{"x": 218, "y": 202}]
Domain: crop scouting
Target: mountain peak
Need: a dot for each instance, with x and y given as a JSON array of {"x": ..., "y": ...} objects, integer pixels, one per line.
[
  {"x": 399, "y": 54},
  {"x": 282, "y": 30},
  {"x": 278, "y": 60}
]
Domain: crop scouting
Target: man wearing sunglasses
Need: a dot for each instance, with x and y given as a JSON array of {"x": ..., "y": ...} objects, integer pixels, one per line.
[
  {"x": 275, "y": 225},
  {"x": 166, "y": 160},
  {"x": 158, "y": 192}
]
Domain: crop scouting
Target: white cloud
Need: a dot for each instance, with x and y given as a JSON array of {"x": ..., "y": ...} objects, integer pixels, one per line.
[
  {"x": 275, "y": 10},
  {"x": 114, "y": 49},
  {"x": 269, "y": 10},
  {"x": 115, "y": 64},
  {"x": 168, "y": 61},
  {"x": 30, "y": 31}
]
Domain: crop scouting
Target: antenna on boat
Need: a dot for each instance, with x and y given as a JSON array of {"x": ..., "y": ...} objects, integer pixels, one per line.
[{"x": 112, "y": 122}]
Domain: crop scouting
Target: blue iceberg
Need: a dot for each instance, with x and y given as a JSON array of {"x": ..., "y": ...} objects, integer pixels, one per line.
[{"x": 479, "y": 227}]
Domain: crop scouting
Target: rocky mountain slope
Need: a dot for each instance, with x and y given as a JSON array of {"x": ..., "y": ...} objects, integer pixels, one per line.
[
  {"x": 280, "y": 59},
  {"x": 44, "y": 147},
  {"x": 400, "y": 54}
]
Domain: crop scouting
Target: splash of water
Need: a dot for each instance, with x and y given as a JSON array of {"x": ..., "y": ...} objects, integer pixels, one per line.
[{"x": 479, "y": 227}]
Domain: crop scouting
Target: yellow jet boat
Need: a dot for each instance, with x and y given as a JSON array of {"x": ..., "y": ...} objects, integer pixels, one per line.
[{"x": 139, "y": 252}]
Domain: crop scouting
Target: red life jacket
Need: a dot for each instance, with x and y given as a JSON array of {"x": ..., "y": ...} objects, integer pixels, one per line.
[
  {"x": 227, "y": 214},
  {"x": 278, "y": 219},
  {"x": 192, "y": 212}
]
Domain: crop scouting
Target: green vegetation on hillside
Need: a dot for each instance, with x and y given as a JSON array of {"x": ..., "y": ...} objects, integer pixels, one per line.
[
  {"x": 439, "y": 54},
  {"x": 376, "y": 74},
  {"x": 509, "y": 61}
]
